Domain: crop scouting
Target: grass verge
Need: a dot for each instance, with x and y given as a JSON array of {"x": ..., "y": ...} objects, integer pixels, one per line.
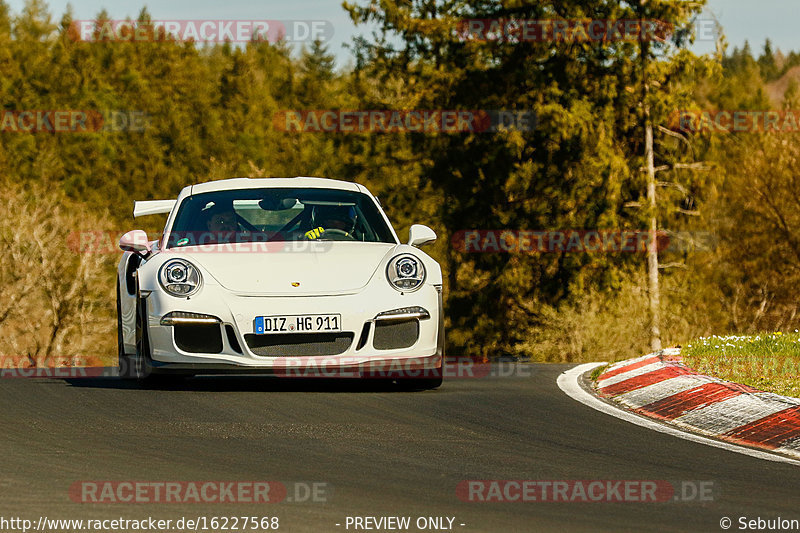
[
  {"x": 767, "y": 361},
  {"x": 598, "y": 371}
]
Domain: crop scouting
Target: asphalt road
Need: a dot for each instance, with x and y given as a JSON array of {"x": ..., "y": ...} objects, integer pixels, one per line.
[{"x": 380, "y": 452}]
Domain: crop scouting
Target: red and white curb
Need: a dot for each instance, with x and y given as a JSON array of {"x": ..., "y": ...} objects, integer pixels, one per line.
[
  {"x": 659, "y": 386},
  {"x": 570, "y": 383}
]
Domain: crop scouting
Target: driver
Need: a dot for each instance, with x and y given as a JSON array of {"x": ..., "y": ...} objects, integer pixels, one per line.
[
  {"x": 341, "y": 219},
  {"x": 221, "y": 219},
  {"x": 222, "y": 224}
]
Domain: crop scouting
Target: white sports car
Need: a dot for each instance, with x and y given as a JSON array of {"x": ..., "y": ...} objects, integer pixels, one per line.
[{"x": 285, "y": 276}]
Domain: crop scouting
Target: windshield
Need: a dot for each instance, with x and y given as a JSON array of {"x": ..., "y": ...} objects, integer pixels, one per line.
[{"x": 281, "y": 214}]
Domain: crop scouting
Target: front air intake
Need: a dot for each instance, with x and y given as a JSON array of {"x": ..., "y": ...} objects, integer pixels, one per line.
[
  {"x": 198, "y": 338},
  {"x": 393, "y": 335},
  {"x": 299, "y": 344}
]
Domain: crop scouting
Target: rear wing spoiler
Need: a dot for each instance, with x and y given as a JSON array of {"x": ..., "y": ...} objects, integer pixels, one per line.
[{"x": 152, "y": 207}]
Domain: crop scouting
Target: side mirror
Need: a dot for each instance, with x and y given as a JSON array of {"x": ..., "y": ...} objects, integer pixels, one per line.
[
  {"x": 135, "y": 241},
  {"x": 419, "y": 235}
]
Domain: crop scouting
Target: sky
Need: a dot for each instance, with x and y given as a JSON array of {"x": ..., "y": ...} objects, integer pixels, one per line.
[
  {"x": 755, "y": 21},
  {"x": 741, "y": 19}
]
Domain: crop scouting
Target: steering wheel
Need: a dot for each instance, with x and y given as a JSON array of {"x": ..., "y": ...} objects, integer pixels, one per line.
[{"x": 335, "y": 234}]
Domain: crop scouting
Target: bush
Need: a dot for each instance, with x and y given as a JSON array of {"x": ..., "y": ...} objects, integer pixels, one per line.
[{"x": 57, "y": 305}]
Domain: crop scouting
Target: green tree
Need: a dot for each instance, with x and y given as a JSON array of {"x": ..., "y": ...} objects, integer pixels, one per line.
[{"x": 767, "y": 63}]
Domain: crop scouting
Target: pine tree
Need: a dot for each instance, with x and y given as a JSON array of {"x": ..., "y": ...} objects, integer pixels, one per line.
[{"x": 767, "y": 63}]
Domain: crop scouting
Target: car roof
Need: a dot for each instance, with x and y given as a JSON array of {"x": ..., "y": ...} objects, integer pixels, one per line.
[{"x": 259, "y": 183}]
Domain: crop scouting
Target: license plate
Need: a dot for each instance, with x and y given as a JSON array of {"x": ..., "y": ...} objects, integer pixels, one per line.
[{"x": 297, "y": 324}]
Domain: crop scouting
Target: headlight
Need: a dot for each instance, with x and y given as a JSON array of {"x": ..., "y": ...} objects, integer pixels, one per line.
[
  {"x": 405, "y": 273},
  {"x": 179, "y": 277}
]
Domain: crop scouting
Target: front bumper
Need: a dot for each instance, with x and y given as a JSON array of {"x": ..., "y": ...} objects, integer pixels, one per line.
[{"x": 236, "y": 351}]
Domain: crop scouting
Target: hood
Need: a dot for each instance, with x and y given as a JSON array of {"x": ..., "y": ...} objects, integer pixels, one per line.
[{"x": 321, "y": 268}]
